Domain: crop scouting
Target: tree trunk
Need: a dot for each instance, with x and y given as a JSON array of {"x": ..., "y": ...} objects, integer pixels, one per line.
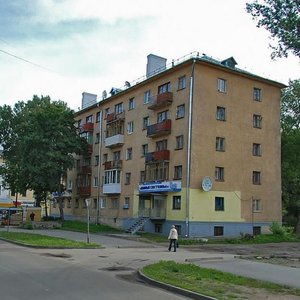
[{"x": 298, "y": 223}]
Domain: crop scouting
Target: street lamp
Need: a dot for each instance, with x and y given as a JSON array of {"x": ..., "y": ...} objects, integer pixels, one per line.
[{"x": 87, "y": 203}]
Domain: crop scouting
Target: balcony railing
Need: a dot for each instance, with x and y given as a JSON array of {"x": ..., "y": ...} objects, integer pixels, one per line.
[
  {"x": 114, "y": 141},
  {"x": 114, "y": 164},
  {"x": 157, "y": 156},
  {"x": 112, "y": 188},
  {"x": 159, "y": 129},
  {"x": 153, "y": 213},
  {"x": 84, "y": 190},
  {"x": 161, "y": 100},
  {"x": 115, "y": 117},
  {"x": 88, "y": 127}
]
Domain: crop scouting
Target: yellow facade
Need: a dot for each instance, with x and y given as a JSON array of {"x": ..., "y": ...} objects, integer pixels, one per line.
[{"x": 149, "y": 155}]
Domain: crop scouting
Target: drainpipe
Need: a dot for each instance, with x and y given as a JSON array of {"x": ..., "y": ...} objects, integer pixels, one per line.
[
  {"x": 189, "y": 147},
  {"x": 99, "y": 168}
]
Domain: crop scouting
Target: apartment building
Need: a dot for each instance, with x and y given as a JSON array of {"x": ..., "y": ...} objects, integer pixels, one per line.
[{"x": 195, "y": 143}]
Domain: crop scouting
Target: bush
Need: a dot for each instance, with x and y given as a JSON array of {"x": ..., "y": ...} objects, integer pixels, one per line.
[{"x": 277, "y": 229}]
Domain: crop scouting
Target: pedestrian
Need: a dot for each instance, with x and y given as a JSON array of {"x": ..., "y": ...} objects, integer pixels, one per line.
[{"x": 173, "y": 237}]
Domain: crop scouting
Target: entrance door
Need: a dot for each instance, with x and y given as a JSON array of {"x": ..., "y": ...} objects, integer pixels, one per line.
[{"x": 158, "y": 207}]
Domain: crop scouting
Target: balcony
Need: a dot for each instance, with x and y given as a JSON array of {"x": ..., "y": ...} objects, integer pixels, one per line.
[
  {"x": 115, "y": 117},
  {"x": 114, "y": 141},
  {"x": 84, "y": 190},
  {"x": 159, "y": 129},
  {"x": 88, "y": 151},
  {"x": 86, "y": 170},
  {"x": 162, "y": 100},
  {"x": 157, "y": 156},
  {"x": 114, "y": 164},
  {"x": 88, "y": 127},
  {"x": 112, "y": 188}
]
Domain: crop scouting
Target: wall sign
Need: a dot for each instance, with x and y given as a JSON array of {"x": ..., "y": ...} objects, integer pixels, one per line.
[
  {"x": 165, "y": 186},
  {"x": 206, "y": 184}
]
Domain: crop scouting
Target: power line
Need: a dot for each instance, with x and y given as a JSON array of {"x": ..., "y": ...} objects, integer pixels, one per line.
[{"x": 27, "y": 61}]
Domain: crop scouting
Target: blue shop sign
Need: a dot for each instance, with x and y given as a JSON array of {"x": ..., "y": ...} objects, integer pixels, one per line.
[{"x": 166, "y": 186}]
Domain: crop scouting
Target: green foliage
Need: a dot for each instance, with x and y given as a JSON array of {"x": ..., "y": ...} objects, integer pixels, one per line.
[
  {"x": 281, "y": 18},
  {"x": 210, "y": 282},
  {"x": 38, "y": 139},
  {"x": 277, "y": 229}
]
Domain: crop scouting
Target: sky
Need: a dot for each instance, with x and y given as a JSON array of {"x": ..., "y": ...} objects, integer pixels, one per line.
[{"x": 63, "y": 48}]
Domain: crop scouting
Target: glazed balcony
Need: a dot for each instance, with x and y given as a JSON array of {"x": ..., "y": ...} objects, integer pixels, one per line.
[
  {"x": 112, "y": 117},
  {"x": 156, "y": 156},
  {"x": 114, "y": 164},
  {"x": 161, "y": 100},
  {"x": 159, "y": 129},
  {"x": 84, "y": 190},
  {"x": 114, "y": 141}
]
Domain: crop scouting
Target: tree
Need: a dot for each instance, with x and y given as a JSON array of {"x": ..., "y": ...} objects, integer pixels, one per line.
[
  {"x": 41, "y": 135},
  {"x": 282, "y": 19},
  {"x": 290, "y": 149}
]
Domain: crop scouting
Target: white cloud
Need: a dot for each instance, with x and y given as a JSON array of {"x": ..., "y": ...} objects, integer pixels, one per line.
[{"x": 92, "y": 45}]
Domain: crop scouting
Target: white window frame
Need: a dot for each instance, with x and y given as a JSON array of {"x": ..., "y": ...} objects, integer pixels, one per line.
[{"x": 222, "y": 85}]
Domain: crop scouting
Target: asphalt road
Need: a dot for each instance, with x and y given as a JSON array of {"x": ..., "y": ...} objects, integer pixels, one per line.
[{"x": 36, "y": 274}]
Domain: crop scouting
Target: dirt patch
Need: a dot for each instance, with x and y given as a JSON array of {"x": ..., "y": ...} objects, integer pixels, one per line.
[{"x": 287, "y": 254}]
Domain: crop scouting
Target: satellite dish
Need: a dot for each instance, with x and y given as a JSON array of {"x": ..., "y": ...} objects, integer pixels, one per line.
[
  {"x": 127, "y": 84},
  {"x": 104, "y": 95}
]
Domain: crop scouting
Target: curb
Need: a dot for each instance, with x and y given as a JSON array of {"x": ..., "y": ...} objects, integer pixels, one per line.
[{"x": 173, "y": 289}]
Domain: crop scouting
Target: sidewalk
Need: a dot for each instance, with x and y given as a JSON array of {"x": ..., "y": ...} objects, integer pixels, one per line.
[{"x": 120, "y": 250}]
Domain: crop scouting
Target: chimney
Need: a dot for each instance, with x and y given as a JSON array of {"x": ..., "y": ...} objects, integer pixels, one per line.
[
  {"x": 88, "y": 100},
  {"x": 155, "y": 65}
]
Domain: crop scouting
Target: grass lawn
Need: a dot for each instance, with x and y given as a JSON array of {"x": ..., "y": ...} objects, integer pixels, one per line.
[
  {"x": 38, "y": 240},
  {"x": 258, "y": 239},
  {"x": 82, "y": 227},
  {"x": 223, "y": 286}
]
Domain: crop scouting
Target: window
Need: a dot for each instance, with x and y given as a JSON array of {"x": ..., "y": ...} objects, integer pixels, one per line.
[
  {"x": 157, "y": 171},
  {"x": 69, "y": 203},
  {"x": 256, "y": 177},
  {"x": 164, "y": 88},
  {"x": 161, "y": 145},
  {"x": 126, "y": 202},
  {"x": 96, "y": 160},
  {"x": 130, "y": 127},
  {"x": 105, "y": 157},
  {"x": 256, "y": 149},
  {"x": 257, "y": 121},
  {"x": 222, "y": 85},
  {"x": 142, "y": 176},
  {"x": 176, "y": 203},
  {"x": 219, "y": 203},
  {"x": 181, "y": 83},
  {"x": 117, "y": 155},
  {"x": 114, "y": 203},
  {"x": 103, "y": 203},
  {"x": 131, "y": 104},
  {"x": 96, "y": 181},
  {"x": 220, "y": 144},
  {"x": 97, "y": 141},
  {"x": 129, "y": 154},
  {"x": 180, "y": 111},
  {"x": 256, "y": 205},
  {"x": 256, "y": 230},
  {"x": 144, "y": 150},
  {"x": 218, "y": 230},
  {"x": 127, "y": 178},
  {"x": 84, "y": 203},
  {"x": 89, "y": 119},
  {"x": 119, "y": 108},
  {"x": 95, "y": 203},
  {"x": 162, "y": 116},
  {"x": 257, "y": 94},
  {"x": 79, "y": 123},
  {"x": 221, "y": 113},
  {"x": 106, "y": 112},
  {"x": 147, "y": 97},
  {"x": 158, "y": 227},
  {"x": 219, "y": 174},
  {"x": 70, "y": 184},
  {"x": 179, "y": 142},
  {"x": 98, "y": 117},
  {"x": 177, "y": 172},
  {"x": 146, "y": 122}
]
